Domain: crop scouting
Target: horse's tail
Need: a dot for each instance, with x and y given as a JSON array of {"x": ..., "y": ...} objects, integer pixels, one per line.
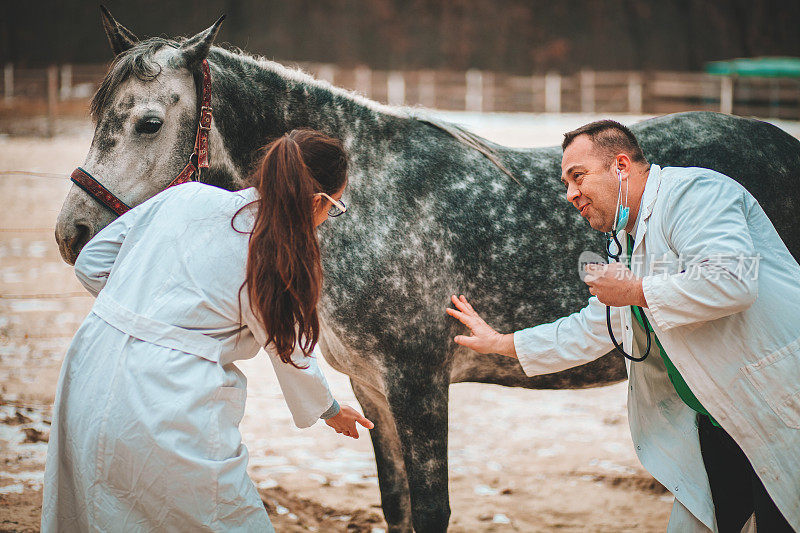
[{"x": 468, "y": 138}]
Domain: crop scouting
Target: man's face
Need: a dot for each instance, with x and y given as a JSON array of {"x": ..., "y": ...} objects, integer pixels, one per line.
[{"x": 592, "y": 186}]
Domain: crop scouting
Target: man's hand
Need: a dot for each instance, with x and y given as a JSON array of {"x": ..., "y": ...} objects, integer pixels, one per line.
[
  {"x": 614, "y": 285},
  {"x": 345, "y": 422},
  {"x": 484, "y": 339}
]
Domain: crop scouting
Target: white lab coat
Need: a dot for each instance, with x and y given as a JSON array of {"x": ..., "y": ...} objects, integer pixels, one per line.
[
  {"x": 734, "y": 337},
  {"x": 145, "y": 430}
]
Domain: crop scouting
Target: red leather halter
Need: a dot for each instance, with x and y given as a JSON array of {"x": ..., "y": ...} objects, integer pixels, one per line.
[{"x": 191, "y": 172}]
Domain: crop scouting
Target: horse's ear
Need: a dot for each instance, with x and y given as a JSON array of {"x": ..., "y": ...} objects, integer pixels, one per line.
[
  {"x": 120, "y": 37},
  {"x": 195, "y": 49}
]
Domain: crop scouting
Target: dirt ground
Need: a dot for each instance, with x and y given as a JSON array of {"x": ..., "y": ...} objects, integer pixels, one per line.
[{"x": 519, "y": 460}]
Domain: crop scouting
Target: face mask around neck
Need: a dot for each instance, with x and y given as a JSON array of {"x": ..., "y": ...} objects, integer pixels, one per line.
[{"x": 623, "y": 211}]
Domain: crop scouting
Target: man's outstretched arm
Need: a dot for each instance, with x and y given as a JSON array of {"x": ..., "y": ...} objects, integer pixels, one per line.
[{"x": 568, "y": 342}]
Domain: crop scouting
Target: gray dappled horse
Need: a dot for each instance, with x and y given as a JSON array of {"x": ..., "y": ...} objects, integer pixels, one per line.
[{"x": 431, "y": 214}]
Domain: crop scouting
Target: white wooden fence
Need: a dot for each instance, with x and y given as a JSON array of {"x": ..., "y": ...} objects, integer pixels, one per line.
[{"x": 483, "y": 91}]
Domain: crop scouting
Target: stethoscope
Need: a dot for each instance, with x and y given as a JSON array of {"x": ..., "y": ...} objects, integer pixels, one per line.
[{"x": 611, "y": 239}]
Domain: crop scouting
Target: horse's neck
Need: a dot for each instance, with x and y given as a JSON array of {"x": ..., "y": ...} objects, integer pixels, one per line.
[{"x": 253, "y": 106}]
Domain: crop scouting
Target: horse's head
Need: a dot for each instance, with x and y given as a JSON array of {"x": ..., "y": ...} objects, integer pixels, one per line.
[{"x": 145, "y": 112}]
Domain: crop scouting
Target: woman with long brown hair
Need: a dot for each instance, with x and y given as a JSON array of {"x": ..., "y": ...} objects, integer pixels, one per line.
[{"x": 145, "y": 426}]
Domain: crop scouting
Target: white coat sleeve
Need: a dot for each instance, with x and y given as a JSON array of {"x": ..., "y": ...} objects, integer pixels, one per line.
[
  {"x": 305, "y": 390},
  {"x": 570, "y": 341},
  {"x": 706, "y": 223},
  {"x": 97, "y": 257}
]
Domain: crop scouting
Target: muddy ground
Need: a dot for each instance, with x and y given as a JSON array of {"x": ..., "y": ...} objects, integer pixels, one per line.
[{"x": 519, "y": 460}]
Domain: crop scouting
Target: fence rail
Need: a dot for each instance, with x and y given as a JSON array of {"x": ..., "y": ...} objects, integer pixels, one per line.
[{"x": 483, "y": 91}]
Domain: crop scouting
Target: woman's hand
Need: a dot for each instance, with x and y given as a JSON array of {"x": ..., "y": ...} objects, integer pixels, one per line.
[
  {"x": 484, "y": 339},
  {"x": 345, "y": 422}
]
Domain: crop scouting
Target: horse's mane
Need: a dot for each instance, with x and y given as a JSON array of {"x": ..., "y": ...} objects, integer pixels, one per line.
[
  {"x": 299, "y": 75},
  {"x": 459, "y": 133},
  {"x": 138, "y": 61}
]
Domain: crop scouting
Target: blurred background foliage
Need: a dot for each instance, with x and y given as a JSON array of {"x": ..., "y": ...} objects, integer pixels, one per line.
[{"x": 516, "y": 36}]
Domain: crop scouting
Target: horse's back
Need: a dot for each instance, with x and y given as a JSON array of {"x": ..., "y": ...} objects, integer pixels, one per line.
[{"x": 759, "y": 155}]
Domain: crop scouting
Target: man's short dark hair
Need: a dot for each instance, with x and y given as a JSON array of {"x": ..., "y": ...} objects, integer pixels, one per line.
[{"x": 610, "y": 138}]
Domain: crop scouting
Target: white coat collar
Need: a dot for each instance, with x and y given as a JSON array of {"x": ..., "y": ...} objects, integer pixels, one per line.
[
  {"x": 649, "y": 196},
  {"x": 248, "y": 194}
]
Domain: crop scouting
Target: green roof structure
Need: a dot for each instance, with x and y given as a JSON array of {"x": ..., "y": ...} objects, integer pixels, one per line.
[{"x": 764, "y": 67}]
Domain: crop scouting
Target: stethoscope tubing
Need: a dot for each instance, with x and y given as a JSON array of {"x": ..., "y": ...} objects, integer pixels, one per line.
[{"x": 617, "y": 345}]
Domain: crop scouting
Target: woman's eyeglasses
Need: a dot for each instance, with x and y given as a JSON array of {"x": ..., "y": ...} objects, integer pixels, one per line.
[{"x": 337, "y": 206}]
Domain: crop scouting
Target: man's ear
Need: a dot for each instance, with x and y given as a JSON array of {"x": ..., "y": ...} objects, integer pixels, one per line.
[{"x": 622, "y": 162}]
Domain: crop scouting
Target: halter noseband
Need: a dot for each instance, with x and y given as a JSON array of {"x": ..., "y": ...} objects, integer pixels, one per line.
[{"x": 191, "y": 172}]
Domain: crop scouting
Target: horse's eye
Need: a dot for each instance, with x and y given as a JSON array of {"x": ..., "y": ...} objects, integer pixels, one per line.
[{"x": 149, "y": 125}]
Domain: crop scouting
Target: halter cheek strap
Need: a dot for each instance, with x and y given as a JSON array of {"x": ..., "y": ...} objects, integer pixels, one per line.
[{"x": 198, "y": 160}]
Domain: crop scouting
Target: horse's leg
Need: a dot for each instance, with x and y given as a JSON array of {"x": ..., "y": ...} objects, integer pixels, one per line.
[
  {"x": 392, "y": 478},
  {"x": 419, "y": 404}
]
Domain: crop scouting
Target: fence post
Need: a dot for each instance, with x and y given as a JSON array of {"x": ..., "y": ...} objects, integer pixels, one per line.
[
  {"x": 726, "y": 95},
  {"x": 396, "y": 88},
  {"x": 66, "y": 82},
  {"x": 326, "y": 72},
  {"x": 774, "y": 98},
  {"x": 8, "y": 82},
  {"x": 474, "y": 97},
  {"x": 534, "y": 81},
  {"x": 427, "y": 88},
  {"x": 587, "y": 91},
  {"x": 635, "y": 93},
  {"x": 552, "y": 92},
  {"x": 363, "y": 80},
  {"x": 489, "y": 92},
  {"x": 52, "y": 96}
]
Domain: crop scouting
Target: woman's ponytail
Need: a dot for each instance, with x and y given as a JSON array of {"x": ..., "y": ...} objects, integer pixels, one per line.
[{"x": 284, "y": 273}]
